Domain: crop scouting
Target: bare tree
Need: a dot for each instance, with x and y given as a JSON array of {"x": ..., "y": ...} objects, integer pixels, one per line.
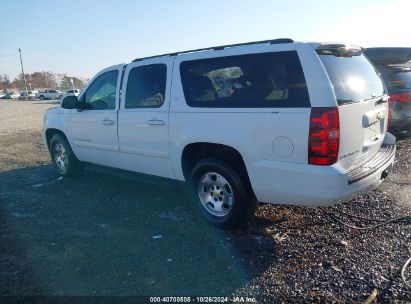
[
  {"x": 4, "y": 81},
  {"x": 66, "y": 82},
  {"x": 41, "y": 80}
]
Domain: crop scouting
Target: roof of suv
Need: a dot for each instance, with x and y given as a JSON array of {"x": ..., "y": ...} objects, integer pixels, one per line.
[
  {"x": 221, "y": 47},
  {"x": 316, "y": 45}
]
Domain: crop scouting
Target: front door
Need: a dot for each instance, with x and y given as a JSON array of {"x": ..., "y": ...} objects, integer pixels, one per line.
[
  {"x": 94, "y": 129},
  {"x": 143, "y": 117}
]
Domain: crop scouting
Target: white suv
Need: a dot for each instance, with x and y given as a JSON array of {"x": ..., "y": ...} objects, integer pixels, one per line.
[{"x": 304, "y": 123}]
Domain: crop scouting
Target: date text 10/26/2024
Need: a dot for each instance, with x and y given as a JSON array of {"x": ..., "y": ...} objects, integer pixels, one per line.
[{"x": 239, "y": 299}]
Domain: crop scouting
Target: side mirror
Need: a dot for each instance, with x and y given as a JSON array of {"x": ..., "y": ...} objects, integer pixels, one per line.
[{"x": 70, "y": 102}]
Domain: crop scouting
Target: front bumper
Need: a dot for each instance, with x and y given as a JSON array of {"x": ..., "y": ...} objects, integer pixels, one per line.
[{"x": 44, "y": 139}]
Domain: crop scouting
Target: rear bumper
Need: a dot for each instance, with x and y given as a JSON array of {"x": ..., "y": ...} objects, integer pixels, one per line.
[
  {"x": 386, "y": 152},
  {"x": 301, "y": 184}
]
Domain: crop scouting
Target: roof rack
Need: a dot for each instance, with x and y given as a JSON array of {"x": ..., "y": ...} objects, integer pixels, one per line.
[{"x": 221, "y": 47}]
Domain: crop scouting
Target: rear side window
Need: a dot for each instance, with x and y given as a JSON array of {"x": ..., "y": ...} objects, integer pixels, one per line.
[
  {"x": 245, "y": 81},
  {"x": 146, "y": 86},
  {"x": 354, "y": 78}
]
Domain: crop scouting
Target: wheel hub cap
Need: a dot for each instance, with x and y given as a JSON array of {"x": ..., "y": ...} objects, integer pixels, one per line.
[
  {"x": 60, "y": 156},
  {"x": 216, "y": 194}
]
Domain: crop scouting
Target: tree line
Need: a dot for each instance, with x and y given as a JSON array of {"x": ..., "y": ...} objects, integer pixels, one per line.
[{"x": 41, "y": 80}]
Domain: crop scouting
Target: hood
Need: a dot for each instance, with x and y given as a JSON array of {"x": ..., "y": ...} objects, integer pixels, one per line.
[{"x": 54, "y": 110}]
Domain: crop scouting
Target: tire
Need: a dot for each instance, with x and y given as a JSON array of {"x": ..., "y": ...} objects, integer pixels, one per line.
[
  {"x": 63, "y": 157},
  {"x": 41, "y": 97},
  {"x": 221, "y": 194}
]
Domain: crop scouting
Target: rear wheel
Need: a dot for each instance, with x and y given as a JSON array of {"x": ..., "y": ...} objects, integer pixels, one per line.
[
  {"x": 221, "y": 194},
  {"x": 63, "y": 157}
]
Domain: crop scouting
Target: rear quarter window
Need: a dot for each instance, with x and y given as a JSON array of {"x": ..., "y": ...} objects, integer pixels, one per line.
[
  {"x": 146, "y": 86},
  {"x": 245, "y": 81}
]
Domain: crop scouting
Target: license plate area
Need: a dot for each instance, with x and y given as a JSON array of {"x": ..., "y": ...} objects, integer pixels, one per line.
[{"x": 373, "y": 124}]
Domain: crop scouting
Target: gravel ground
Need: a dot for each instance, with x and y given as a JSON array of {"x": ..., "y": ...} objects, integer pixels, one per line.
[
  {"x": 105, "y": 235},
  {"x": 18, "y": 116},
  {"x": 318, "y": 260}
]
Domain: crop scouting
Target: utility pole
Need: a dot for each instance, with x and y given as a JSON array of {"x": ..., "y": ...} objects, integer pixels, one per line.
[{"x": 24, "y": 77}]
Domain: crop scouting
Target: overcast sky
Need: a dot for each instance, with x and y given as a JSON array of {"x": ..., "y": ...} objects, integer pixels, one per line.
[{"x": 81, "y": 37}]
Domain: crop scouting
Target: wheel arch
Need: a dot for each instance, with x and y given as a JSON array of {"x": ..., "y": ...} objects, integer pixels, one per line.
[
  {"x": 195, "y": 151},
  {"x": 50, "y": 132}
]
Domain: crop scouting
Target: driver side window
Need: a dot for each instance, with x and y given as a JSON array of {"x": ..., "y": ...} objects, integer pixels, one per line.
[{"x": 101, "y": 94}]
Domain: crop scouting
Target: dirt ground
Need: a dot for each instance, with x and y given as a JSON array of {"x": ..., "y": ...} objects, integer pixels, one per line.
[{"x": 106, "y": 235}]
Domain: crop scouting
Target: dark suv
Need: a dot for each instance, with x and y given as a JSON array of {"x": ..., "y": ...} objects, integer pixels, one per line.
[{"x": 394, "y": 64}]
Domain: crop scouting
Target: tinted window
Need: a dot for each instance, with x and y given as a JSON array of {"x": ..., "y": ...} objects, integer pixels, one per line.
[
  {"x": 101, "y": 94},
  {"x": 146, "y": 86},
  {"x": 354, "y": 78},
  {"x": 254, "y": 80}
]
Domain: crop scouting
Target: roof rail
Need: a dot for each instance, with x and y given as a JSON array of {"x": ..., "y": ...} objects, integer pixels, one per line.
[{"x": 221, "y": 47}]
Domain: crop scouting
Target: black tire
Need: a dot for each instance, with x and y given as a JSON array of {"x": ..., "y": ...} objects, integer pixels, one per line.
[
  {"x": 73, "y": 165},
  {"x": 41, "y": 97},
  {"x": 244, "y": 204}
]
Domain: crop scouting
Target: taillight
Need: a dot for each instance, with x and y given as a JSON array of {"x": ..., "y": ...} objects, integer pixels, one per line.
[
  {"x": 324, "y": 136},
  {"x": 401, "y": 97}
]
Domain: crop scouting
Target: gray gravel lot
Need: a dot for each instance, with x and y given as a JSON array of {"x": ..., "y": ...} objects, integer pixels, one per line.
[{"x": 105, "y": 235}]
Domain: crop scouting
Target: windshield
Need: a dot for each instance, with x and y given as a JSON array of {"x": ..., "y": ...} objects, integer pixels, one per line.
[{"x": 354, "y": 78}]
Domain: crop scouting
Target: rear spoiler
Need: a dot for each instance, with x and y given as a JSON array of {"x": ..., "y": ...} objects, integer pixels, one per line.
[{"x": 339, "y": 50}]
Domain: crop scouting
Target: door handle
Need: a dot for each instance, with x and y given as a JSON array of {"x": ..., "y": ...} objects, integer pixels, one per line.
[
  {"x": 156, "y": 122},
  {"x": 107, "y": 122}
]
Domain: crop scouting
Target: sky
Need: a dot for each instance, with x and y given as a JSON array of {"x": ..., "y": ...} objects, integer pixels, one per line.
[{"x": 81, "y": 37}]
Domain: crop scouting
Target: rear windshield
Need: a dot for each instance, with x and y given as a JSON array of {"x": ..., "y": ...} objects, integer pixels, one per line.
[
  {"x": 245, "y": 81},
  {"x": 354, "y": 78},
  {"x": 400, "y": 80}
]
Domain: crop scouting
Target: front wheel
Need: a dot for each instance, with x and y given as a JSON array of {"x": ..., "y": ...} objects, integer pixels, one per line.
[
  {"x": 221, "y": 194},
  {"x": 63, "y": 157}
]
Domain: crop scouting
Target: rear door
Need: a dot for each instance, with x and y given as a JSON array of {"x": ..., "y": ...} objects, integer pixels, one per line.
[
  {"x": 143, "y": 117},
  {"x": 362, "y": 103}
]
